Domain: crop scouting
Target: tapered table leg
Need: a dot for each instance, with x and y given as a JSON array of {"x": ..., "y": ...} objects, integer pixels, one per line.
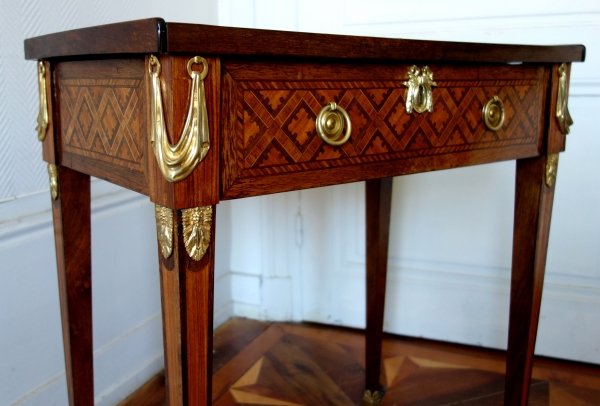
[
  {"x": 378, "y": 207},
  {"x": 187, "y": 303},
  {"x": 533, "y": 208},
  {"x": 71, "y": 215}
]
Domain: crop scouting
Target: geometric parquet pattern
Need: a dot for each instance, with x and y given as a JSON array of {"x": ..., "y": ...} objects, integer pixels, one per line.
[
  {"x": 302, "y": 371},
  {"x": 302, "y": 368},
  {"x": 257, "y": 363},
  {"x": 104, "y": 119},
  {"x": 276, "y": 122}
]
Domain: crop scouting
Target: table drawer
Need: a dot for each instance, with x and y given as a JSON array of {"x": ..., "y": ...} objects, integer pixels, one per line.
[{"x": 270, "y": 111}]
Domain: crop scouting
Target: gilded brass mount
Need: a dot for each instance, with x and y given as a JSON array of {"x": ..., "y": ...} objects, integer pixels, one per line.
[
  {"x": 419, "y": 93},
  {"x": 551, "y": 169},
  {"x": 176, "y": 162},
  {"x": 371, "y": 399},
  {"x": 42, "y": 118},
  {"x": 493, "y": 113},
  {"x": 164, "y": 229},
  {"x": 562, "y": 109},
  {"x": 197, "y": 223},
  {"x": 330, "y": 124},
  {"x": 53, "y": 178}
]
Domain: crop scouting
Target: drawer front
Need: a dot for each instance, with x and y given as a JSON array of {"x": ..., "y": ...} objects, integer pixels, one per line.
[{"x": 273, "y": 131}]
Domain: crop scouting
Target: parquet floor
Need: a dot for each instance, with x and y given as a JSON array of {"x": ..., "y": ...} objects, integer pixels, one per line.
[{"x": 258, "y": 363}]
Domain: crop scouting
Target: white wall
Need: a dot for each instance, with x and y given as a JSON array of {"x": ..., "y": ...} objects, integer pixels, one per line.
[
  {"x": 126, "y": 295},
  {"x": 451, "y": 239}
]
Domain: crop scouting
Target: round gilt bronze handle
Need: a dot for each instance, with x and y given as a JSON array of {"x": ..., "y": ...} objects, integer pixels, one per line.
[
  {"x": 493, "y": 113},
  {"x": 330, "y": 124}
]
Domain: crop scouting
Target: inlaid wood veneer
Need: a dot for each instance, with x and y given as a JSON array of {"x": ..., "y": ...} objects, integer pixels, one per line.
[
  {"x": 271, "y": 128},
  {"x": 103, "y": 119}
]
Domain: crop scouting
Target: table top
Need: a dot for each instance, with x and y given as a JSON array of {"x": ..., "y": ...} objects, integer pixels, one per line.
[{"x": 154, "y": 35}]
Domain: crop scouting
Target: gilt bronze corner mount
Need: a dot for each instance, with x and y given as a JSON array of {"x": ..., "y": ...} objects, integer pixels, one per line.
[
  {"x": 176, "y": 162},
  {"x": 42, "y": 119},
  {"x": 562, "y": 109}
]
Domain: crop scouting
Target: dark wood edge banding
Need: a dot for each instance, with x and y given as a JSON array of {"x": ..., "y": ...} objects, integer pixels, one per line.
[
  {"x": 241, "y": 186},
  {"x": 245, "y": 41},
  {"x": 154, "y": 35},
  {"x": 131, "y": 37}
]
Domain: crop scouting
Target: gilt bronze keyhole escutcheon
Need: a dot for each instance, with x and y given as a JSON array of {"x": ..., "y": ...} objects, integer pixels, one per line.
[{"x": 419, "y": 93}]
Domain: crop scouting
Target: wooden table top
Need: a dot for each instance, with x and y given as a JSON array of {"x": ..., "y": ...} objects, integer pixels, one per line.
[{"x": 154, "y": 35}]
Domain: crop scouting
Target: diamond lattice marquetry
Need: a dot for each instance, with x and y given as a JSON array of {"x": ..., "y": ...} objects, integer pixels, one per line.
[
  {"x": 327, "y": 152},
  {"x": 123, "y": 96},
  {"x": 397, "y": 120},
  {"x": 456, "y": 136},
  {"x": 300, "y": 126},
  {"x": 95, "y": 93},
  {"x": 325, "y": 96},
  {"x": 380, "y": 125},
  {"x": 361, "y": 121},
  {"x": 439, "y": 119},
  {"x": 110, "y": 123},
  {"x": 104, "y": 119},
  {"x": 525, "y": 96},
  {"x": 274, "y": 100},
  {"x": 471, "y": 116},
  {"x": 510, "y": 112},
  {"x": 85, "y": 119},
  {"x": 378, "y": 97},
  {"x": 98, "y": 145},
  {"x": 273, "y": 155},
  {"x": 254, "y": 128},
  {"x": 419, "y": 140},
  {"x": 378, "y": 145},
  {"x": 521, "y": 131},
  {"x": 458, "y": 94}
]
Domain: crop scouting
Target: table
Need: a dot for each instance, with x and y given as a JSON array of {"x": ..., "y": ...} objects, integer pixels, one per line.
[{"x": 190, "y": 115}]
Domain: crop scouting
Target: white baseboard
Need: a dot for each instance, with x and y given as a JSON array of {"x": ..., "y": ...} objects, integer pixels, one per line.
[
  {"x": 120, "y": 390},
  {"x": 249, "y": 311},
  {"x": 53, "y": 392},
  {"x": 130, "y": 376},
  {"x": 223, "y": 314},
  {"x": 439, "y": 302}
]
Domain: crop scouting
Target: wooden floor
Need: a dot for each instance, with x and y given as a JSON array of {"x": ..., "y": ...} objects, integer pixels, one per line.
[{"x": 258, "y": 363}]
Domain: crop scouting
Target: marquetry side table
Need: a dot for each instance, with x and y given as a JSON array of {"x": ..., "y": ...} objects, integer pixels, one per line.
[{"x": 190, "y": 115}]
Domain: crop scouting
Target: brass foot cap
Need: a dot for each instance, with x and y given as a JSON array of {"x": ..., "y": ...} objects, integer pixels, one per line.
[{"x": 371, "y": 399}]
